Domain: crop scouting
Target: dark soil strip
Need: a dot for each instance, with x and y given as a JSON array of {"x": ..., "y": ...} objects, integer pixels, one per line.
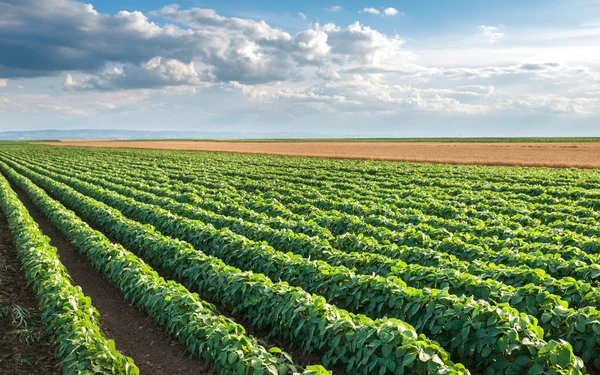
[
  {"x": 263, "y": 335},
  {"x": 135, "y": 333},
  {"x": 17, "y": 357},
  {"x": 299, "y": 357}
]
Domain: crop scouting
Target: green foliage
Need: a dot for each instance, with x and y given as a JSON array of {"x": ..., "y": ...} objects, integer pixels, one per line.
[
  {"x": 498, "y": 265},
  {"x": 197, "y": 324},
  {"x": 358, "y": 342},
  {"x": 469, "y": 328},
  {"x": 69, "y": 318}
]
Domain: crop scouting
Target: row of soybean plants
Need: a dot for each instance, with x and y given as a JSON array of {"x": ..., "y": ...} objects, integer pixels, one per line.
[
  {"x": 578, "y": 326},
  {"x": 360, "y": 184},
  {"x": 486, "y": 338},
  {"x": 70, "y": 319},
  {"x": 430, "y": 204},
  {"x": 197, "y": 324},
  {"x": 345, "y": 222},
  {"x": 446, "y": 182},
  {"x": 360, "y": 343},
  {"x": 411, "y": 181},
  {"x": 566, "y": 237},
  {"x": 574, "y": 256},
  {"x": 577, "y": 293},
  {"x": 527, "y": 243}
]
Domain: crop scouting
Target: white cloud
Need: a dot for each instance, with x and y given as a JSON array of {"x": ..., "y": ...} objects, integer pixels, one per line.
[
  {"x": 390, "y": 11},
  {"x": 302, "y": 16},
  {"x": 370, "y": 10},
  {"x": 490, "y": 33},
  {"x": 336, "y": 8},
  {"x": 372, "y": 94},
  {"x": 156, "y": 72},
  {"x": 20, "y": 87},
  {"x": 119, "y": 61}
]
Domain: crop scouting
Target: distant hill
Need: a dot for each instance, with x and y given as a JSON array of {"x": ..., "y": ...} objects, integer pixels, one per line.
[{"x": 115, "y": 134}]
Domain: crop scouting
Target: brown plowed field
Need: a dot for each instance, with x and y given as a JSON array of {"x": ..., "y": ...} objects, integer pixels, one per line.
[{"x": 567, "y": 154}]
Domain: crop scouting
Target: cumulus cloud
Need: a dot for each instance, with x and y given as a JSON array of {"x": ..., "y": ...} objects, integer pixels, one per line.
[
  {"x": 386, "y": 12},
  {"x": 64, "y": 35},
  {"x": 490, "y": 33},
  {"x": 336, "y": 8},
  {"x": 155, "y": 73},
  {"x": 390, "y": 11},
  {"x": 302, "y": 15},
  {"x": 371, "y": 11},
  {"x": 43, "y": 38},
  {"x": 358, "y": 69},
  {"x": 359, "y": 43}
]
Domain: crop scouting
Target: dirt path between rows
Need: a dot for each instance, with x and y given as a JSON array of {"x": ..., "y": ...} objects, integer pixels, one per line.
[
  {"x": 567, "y": 154},
  {"x": 263, "y": 335},
  {"x": 16, "y": 356},
  {"x": 135, "y": 333}
]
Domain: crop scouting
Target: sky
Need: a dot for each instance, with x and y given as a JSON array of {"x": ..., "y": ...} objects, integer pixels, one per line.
[{"x": 332, "y": 68}]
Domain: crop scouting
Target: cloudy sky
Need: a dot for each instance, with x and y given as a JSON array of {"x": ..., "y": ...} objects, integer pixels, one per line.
[{"x": 354, "y": 68}]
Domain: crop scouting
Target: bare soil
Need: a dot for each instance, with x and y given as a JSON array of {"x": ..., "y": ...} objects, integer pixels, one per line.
[
  {"x": 263, "y": 335},
  {"x": 567, "y": 154},
  {"x": 16, "y": 356},
  {"x": 135, "y": 333}
]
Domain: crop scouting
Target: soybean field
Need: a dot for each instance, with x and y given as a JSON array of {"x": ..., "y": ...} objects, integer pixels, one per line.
[{"x": 257, "y": 264}]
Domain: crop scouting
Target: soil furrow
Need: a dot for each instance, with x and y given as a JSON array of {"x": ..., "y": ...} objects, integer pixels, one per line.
[
  {"x": 17, "y": 357},
  {"x": 135, "y": 334}
]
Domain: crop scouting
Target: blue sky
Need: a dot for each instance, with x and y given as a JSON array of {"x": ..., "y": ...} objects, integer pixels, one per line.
[{"x": 369, "y": 68}]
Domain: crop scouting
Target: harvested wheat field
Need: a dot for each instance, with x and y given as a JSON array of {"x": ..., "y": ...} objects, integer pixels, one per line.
[{"x": 566, "y": 154}]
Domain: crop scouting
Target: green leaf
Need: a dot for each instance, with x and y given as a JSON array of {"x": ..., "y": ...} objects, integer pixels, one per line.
[
  {"x": 564, "y": 358},
  {"x": 408, "y": 360},
  {"x": 231, "y": 358},
  {"x": 536, "y": 369},
  {"x": 387, "y": 350}
]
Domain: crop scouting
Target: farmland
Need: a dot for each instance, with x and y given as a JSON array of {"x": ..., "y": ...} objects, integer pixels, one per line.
[
  {"x": 258, "y": 264},
  {"x": 537, "y": 152}
]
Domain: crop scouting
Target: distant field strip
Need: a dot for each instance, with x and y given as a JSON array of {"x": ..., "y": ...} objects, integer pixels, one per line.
[
  {"x": 373, "y": 267},
  {"x": 549, "y": 154}
]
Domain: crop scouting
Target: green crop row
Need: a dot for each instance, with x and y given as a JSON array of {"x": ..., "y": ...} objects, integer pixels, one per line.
[
  {"x": 70, "y": 320},
  {"x": 579, "y": 327},
  {"x": 440, "y": 273},
  {"x": 516, "y": 241},
  {"x": 484, "y": 337},
  {"x": 341, "y": 222},
  {"x": 556, "y": 319},
  {"x": 300, "y": 317},
  {"x": 204, "y": 332}
]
